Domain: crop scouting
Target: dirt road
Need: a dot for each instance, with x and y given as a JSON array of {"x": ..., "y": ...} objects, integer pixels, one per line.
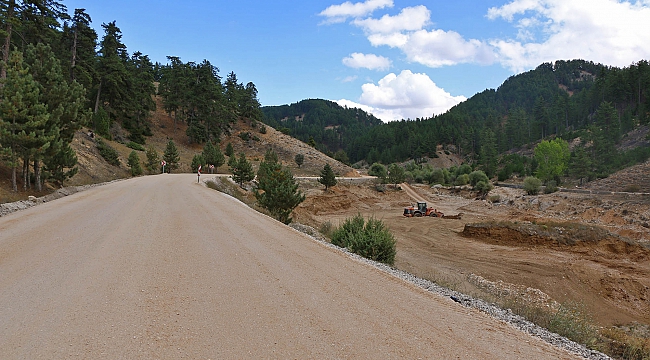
[{"x": 161, "y": 267}]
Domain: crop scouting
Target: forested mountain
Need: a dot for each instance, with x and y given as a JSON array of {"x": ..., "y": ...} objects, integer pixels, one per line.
[
  {"x": 330, "y": 126},
  {"x": 57, "y": 75},
  {"x": 567, "y": 99}
]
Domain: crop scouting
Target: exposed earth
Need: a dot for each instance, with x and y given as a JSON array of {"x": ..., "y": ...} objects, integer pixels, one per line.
[{"x": 608, "y": 272}]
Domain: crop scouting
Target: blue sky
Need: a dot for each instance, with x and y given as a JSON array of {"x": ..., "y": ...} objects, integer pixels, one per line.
[{"x": 396, "y": 59}]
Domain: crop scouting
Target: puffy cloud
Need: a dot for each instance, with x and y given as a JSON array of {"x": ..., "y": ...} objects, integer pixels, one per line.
[
  {"x": 409, "y": 19},
  {"x": 367, "y": 61},
  {"x": 437, "y": 48},
  {"x": 340, "y": 13},
  {"x": 407, "y": 95},
  {"x": 607, "y": 31}
]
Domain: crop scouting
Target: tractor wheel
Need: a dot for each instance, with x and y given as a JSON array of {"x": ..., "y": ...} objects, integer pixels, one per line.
[
  {"x": 433, "y": 214},
  {"x": 418, "y": 214}
]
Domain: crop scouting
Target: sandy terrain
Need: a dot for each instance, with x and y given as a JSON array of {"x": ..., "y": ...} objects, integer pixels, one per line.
[
  {"x": 161, "y": 267},
  {"x": 610, "y": 278}
]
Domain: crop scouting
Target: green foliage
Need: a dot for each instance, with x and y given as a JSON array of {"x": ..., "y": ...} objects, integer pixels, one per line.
[
  {"x": 262, "y": 129},
  {"x": 242, "y": 169},
  {"x": 327, "y": 177},
  {"x": 462, "y": 180},
  {"x": 245, "y": 135},
  {"x": 477, "y": 176},
  {"x": 229, "y": 150},
  {"x": 532, "y": 185},
  {"x": 437, "y": 177},
  {"x": 396, "y": 174},
  {"x": 135, "y": 146},
  {"x": 277, "y": 190},
  {"x": 379, "y": 171},
  {"x": 371, "y": 239},
  {"x": 153, "y": 161},
  {"x": 197, "y": 160},
  {"x": 134, "y": 164},
  {"x": 102, "y": 123},
  {"x": 341, "y": 156},
  {"x": 108, "y": 153},
  {"x": 551, "y": 187},
  {"x": 483, "y": 187},
  {"x": 171, "y": 156},
  {"x": 212, "y": 155},
  {"x": 299, "y": 159},
  {"x": 552, "y": 159}
]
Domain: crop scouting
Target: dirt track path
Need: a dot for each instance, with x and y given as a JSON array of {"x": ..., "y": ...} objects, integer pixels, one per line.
[{"x": 161, "y": 267}]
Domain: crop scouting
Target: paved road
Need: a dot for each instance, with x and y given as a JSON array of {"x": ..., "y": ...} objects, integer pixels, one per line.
[{"x": 161, "y": 267}]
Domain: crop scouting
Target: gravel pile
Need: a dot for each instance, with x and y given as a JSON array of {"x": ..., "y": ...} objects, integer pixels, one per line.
[{"x": 505, "y": 315}]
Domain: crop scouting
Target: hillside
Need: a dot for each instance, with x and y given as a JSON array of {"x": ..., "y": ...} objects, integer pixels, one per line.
[{"x": 94, "y": 169}]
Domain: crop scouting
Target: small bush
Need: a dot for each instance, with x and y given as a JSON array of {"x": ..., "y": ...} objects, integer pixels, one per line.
[
  {"x": 135, "y": 146},
  {"x": 483, "y": 187},
  {"x": 108, "y": 153},
  {"x": 326, "y": 229},
  {"x": 551, "y": 187},
  {"x": 462, "y": 180},
  {"x": 494, "y": 199},
  {"x": 532, "y": 185},
  {"x": 262, "y": 129},
  {"x": 245, "y": 135},
  {"x": 371, "y": 239},
  {"x": 255, "y": 138}
]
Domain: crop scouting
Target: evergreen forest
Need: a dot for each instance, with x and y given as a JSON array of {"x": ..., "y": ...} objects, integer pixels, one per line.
[
  {"x": 589, "y": 104},
  {"x": 57, "y": 75}
]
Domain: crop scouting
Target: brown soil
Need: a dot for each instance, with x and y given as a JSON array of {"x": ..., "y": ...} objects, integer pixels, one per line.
[{"x": 607, "y": 269}]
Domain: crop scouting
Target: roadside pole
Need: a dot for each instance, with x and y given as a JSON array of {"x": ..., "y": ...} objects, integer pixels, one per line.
[
  {"x": 198, "y": 175},
  {"x": 163, "y": 163}
]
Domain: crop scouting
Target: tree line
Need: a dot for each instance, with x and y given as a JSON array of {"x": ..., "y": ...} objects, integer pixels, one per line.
[
  {"x": 579, "y": 101},
  {"x": 56, "y": 76}
]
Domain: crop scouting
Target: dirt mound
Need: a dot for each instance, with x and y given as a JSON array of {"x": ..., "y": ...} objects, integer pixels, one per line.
[
  {"x": 633, "y": 179},
  {"x": 579, "y": 238}
]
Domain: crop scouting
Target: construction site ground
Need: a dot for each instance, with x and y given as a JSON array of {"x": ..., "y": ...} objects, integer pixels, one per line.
[{"x": 610, "y": 276}]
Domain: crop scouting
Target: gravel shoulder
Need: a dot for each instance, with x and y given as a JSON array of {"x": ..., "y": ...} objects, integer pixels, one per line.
[{"x": 161, "y": 267}]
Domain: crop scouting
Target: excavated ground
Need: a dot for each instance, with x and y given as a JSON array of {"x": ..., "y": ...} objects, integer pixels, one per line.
[{"x": 595, "y": 253}]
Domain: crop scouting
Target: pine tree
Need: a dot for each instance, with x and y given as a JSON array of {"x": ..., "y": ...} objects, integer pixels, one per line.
[
  {"x": 299, "y": 159},
  {"x": 197, "y": 160},
  {"x": 277, "y": 190},
  {"x": 24, "y": 117},
  {"x": 213, "y": 155},
  {"x": 242, "y": 171},
  {"x": 229, "y": 150},
  {"x": 65, "y": 102},
  {"x": 134, "y": 164},
  {"x": 171, "y": 156},
  {"x": 153, "y": 162},
  {"x": 327, "y": 177}
]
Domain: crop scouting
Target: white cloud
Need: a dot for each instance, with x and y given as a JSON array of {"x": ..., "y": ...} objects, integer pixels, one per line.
[
  {"x": 613, "y": 32},
  {"x": 340, "y": 13},
  {"x": 438, "y": 48},
  {"x": 407, "y": 95},
  {"x": 367, "y": 61},
  {"x": 409, "y": 19},
  {"x": 348, "y": 79},
  {"x": 607, "y": 31}
]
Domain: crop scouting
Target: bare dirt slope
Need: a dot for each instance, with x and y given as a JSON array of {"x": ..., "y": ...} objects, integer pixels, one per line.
[
  {"x": 161, "y": 267},
  {"x": 611, "y": 278}
]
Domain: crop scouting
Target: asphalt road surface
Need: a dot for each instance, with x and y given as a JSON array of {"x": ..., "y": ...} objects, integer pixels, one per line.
[{"x": 160, "y": 267}]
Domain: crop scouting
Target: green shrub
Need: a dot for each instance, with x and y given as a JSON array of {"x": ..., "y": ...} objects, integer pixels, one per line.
[
  {"x": 551, "y": 187},
  {"x": 476, "y": 176},
  {"x": 532, "y": 185},
  {"x": 462, "y": 180},
  {"x": 135, "y": 146},
  {"x": 108, "y": 153},
  {"x": 483, "y": 187},
  {"x": 379, "y": 171},
  {"x": 245, "y": 135},
  {"x": 371, "y": 239},
  {"x": 262, "y": 129},
  {"x": 134, "y": 164}
]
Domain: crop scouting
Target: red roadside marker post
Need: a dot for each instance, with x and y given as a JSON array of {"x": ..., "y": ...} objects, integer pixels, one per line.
[{"x": 163, "y": 163}]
